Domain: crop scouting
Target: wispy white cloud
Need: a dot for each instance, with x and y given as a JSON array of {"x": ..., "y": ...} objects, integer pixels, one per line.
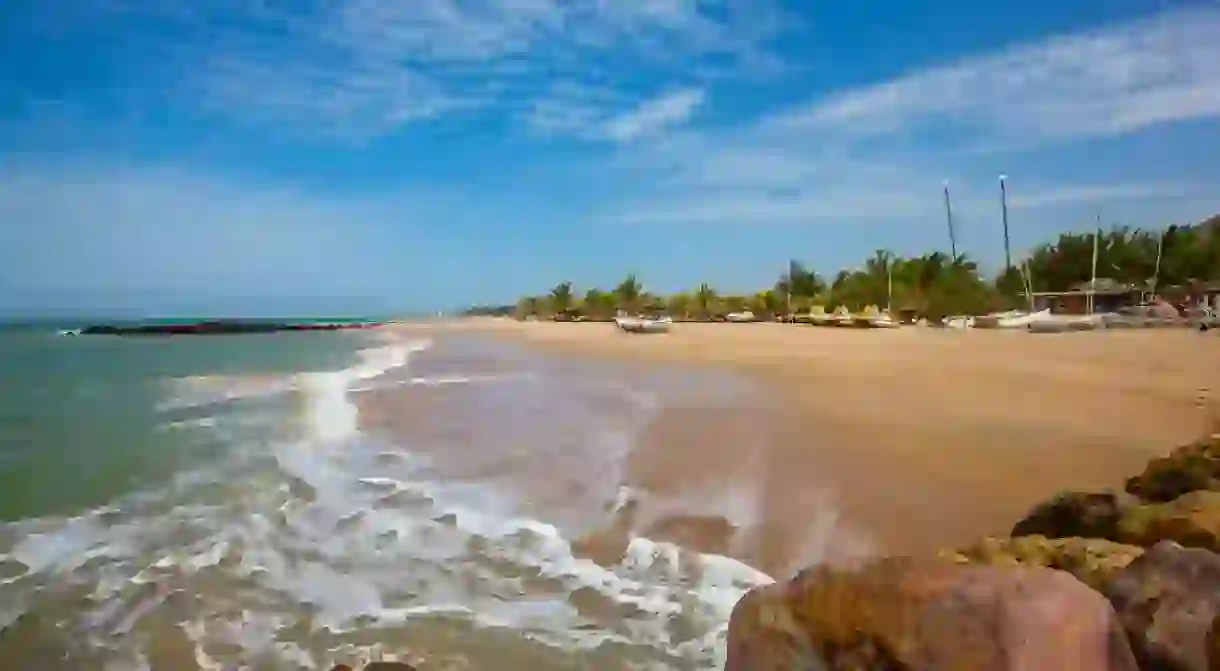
[
  {"x": 858, "y": 154},
  {"x": 1106, "y": 81},
  {"x": 655, "y": 115},
  {"x": 1102, "y": 193},
  {"x": 369, "y": 67},
  {"x": 905, "y": 195}
]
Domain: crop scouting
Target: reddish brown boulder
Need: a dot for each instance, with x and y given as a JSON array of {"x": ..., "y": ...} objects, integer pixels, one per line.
[
  {"x": 1169, "y": 602},
  {"x": 902, "y": 614},
  {"x": 764, "y": 635}
]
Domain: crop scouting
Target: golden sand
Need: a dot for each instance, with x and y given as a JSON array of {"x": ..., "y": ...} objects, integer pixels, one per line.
[{"x": 923, "y": 438}]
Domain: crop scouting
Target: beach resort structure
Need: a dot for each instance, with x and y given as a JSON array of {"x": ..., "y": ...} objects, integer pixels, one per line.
[{"x": 1104, "y": 295}]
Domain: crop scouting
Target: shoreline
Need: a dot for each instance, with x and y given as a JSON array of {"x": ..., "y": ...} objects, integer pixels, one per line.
[{"x": 922, "y": 439}]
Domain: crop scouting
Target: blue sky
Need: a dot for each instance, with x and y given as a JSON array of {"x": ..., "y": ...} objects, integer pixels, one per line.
[{"x": 258, "y": 156}]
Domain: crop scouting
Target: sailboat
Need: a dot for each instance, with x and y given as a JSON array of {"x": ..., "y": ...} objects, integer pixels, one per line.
[
  {"x": 875, "y": 318},
  {"x": 644, "y": 324},
  {"x": 1011, "y": 319}
]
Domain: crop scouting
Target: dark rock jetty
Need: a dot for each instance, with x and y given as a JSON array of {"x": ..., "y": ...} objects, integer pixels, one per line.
[{"x": 220, "y": 327}]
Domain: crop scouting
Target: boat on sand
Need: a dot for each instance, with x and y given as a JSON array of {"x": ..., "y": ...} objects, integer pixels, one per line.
[
  {"x": 1011, "y": 319},
  {"x": 841, "y": 317},
  {"x": 875, "y": 318},
  {"x": 819, "y": 317},
  {"x": 644, "y": 324}
]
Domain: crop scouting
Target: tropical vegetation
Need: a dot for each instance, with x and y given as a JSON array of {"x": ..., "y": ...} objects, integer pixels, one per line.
[{"x": 933, "y": 285}]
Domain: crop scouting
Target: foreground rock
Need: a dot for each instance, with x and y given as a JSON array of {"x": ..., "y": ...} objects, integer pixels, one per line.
[
  {"x": 898, "y": 614},
  {"x": 1192, "y": 520},
  {"x": 1077, "y": 514},
  {"x": 1091, "y": 560},
  {"x": 1194, "y": 467},
  {"x": 1168, "y": 601}
]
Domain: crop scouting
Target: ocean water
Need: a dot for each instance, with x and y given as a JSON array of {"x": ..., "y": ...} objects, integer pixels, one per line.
[{"x": 221, "y": 503}]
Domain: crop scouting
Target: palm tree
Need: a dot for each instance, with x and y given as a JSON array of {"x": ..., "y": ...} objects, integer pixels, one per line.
[
  {"x": 628, "y": 293},
  {"x": 562, "y": 298},
  {"x": 598, "y": 304},
  {"x": 765, "y": 304},
  {"x": 530, "y": 306},
  {"x": 734, "y": 303},
  {"x": 705, "y": 300},
  {"x": 679, "y": 305}
]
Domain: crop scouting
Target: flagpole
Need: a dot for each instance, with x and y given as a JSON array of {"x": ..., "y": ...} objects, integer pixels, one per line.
[{"x": 1156, "y": 273}]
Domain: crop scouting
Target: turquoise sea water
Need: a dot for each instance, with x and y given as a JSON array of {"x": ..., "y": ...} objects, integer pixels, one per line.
[
  {"x": 292, "y": 501},
  {"x": 85, "y": 419}
]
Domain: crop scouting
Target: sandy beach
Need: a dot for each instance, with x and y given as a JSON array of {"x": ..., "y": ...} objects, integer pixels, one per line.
[{"x": 919, "y": 439}]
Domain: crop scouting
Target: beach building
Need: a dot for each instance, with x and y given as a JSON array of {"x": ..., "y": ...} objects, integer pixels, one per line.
[
  {"x": 1107, "y": 294},
  {"x": 1197, "y": 294}
]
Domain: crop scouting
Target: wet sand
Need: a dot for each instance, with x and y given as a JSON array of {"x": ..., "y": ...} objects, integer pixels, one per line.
[{"x": 921, "y": 438}]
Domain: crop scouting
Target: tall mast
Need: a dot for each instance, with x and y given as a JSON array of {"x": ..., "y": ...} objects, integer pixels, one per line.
[
  {"x": 1004, "y": 214},
  {"x": 1093, "y": 275},
  {"x": 949, "y": 220},
  {"x": 1156, "y": 273},
  {"x": 788, "y": 298}
]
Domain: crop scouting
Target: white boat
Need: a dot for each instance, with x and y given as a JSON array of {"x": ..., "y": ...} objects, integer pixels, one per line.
[
  {"x": 644, "y": 324},
  {"x": 740, "y": 317},
  {"x": 70, "y": 332},
  {"x": 841, "y": 316},
  {"x": 1067, "y": 323},
  {"x": 875, "y": 318},
  {"x": 960, "y": 322},
  {"x": 884, "y": 321},
  {"x": 1012, "y": 319},
  {"x": 819, "y": 317}
]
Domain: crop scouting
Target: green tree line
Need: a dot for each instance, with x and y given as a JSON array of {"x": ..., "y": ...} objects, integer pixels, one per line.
[{"x": 935, "y": 284}]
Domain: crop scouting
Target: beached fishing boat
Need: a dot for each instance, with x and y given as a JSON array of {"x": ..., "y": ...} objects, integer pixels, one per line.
[
  {"x": 1067, "y": 323},
  {"x": 742, "y": 317},
  {"x": 1011, "y": 319},
  {"x": 884, "y": 320},
  {"x": 842, "y": 317},
  {"x": 819, "y": 317},
  {"x": 644, "y": 324},
  {"x": 873, "y": 317}
]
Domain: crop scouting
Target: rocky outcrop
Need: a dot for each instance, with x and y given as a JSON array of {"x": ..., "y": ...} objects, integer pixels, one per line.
[
  {"x": 1077, "y": 514},
  {"x": 1192, "y": 468},
  {"x": 1087, "y": 580},
  {"x": 1091, "y": 560},
  {"x": 1192, "y": 520},
  {"x": 897, "y": 614}
]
